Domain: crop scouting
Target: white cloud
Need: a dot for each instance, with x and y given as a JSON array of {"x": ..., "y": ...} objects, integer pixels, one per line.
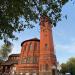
[
  {"x": 70, "y": 47},
  {"x": 65, "y": 51}
]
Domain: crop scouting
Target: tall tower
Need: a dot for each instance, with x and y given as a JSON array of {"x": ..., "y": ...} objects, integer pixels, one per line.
[{"x": 47, "y": 60}]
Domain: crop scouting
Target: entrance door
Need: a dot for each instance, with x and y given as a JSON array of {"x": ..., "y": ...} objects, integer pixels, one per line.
[{"x": 53, "y": 71}]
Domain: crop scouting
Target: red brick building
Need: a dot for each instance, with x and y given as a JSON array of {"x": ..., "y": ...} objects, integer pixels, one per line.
[
  {"x": 37, "y": 57},
  {"x": 8, "y": 67}
]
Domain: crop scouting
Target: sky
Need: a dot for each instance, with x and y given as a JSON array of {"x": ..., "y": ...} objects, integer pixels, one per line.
[{"x": 63, "y": 35}]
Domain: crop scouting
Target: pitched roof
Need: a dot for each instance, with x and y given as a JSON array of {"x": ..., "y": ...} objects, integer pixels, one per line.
[
  {"x": 14, "y": 55},
  {"x": 11, "y": 62},
  {"x": 33, "y": 39},
  {"x": 8, "y": 63}
]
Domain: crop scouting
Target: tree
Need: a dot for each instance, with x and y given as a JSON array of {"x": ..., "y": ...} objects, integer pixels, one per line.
[
  {"x": 63, "y": 68},
  {"x": 11, "y": 12},
  {"x": 69, "y": 66},
  {"x": 4, "y": 51}
]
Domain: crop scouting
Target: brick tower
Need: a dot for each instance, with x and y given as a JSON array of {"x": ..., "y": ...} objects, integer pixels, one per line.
[{"x": 47, "y": 60}]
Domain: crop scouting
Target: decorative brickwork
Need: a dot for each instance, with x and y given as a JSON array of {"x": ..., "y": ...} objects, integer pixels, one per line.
[{"x": 47, "y": 55}]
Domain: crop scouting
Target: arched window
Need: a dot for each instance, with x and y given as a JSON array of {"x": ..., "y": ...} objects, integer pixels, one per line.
[
  {"x": 35, "y": 59},
  {"x": 35, "y": 46},
  {"x": 28, "y": 60},
  {"x": 30, "y": 46},
  {"x": 46, "y": 67},
  {"x": 23, "y": 61},
  {"x": 24, "y": 48},
  {"x": 46, "y": 46}
]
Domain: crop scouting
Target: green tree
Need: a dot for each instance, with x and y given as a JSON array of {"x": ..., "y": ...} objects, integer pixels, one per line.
[
  {"x": 11, "y": 12},
  {"x": 69, "y": 66},
  {"x": 63, "y": 68},
  {"x": 5, "y": 50}
]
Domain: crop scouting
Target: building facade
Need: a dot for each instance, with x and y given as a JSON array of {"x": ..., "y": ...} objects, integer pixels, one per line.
[{"x": 37, "y": 56}]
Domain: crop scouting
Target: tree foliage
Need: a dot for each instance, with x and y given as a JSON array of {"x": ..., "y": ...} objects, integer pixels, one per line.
[
  {"x": 12, "y": 10},
  {"x": 5, "y": 50},
  {"x": 68, "y": 67}
]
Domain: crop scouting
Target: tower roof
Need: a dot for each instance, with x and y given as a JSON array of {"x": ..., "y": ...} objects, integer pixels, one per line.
[{"x": 33, "y": 39}]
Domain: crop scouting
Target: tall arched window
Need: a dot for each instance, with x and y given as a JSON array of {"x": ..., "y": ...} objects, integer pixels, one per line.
[
  {"x": 28, "y": 60},
  {"x": 24, "y": 48},
  {"x": 35, "y": 46},
  {"x": 30, "y": 46}
]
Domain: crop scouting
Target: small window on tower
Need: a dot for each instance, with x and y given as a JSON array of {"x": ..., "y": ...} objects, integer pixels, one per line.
[{"x": 46, "y": 46}]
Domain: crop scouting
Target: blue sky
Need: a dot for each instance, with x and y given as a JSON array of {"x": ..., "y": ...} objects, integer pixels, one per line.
[{"x": 63, "y": 35}]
